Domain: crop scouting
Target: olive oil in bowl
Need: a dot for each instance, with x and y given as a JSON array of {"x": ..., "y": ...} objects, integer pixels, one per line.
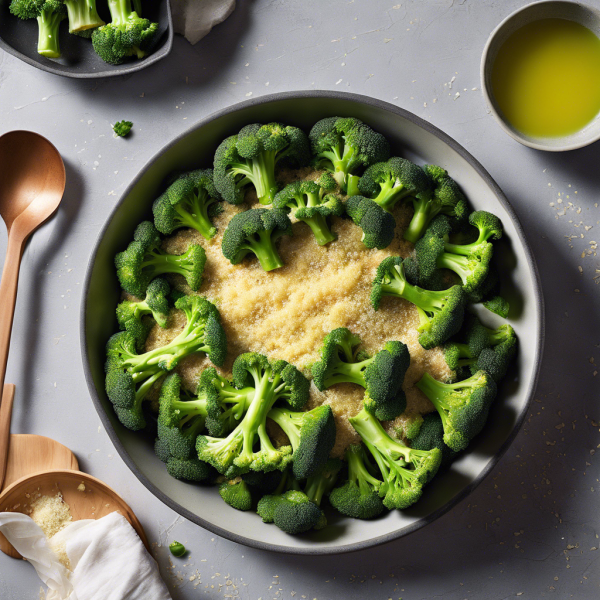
[{"x": 546, "y": 78}]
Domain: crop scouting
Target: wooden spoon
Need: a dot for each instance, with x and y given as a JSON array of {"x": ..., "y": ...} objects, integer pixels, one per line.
[{"x": 32, "y": 183}]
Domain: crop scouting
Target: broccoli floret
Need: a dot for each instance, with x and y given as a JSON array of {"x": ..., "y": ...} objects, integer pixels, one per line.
[
  {"x": 226, "y": 404},
  {"x": 381, "y": 375},
  {"x": 441, "y": 313},
  {"x": 298, "y": 511},
  {"x": 251, "y": 157},
  {"x": 122, "y": 128},
  {"x": 144, "y": 260},
  {"x": 431, "y": 435},
  {"x": 498, "y": 305},
  {"x": 310, "y": 203},
  {"x": 256, "y": 231},
  {"x": 268, "y": 503},
  {"x": 483, "y": 348},
  {"x": 311, "y": 434},
  {"x": 130, "y": 376},
  {"x": 272, "y": 381},
  {"x": 345, "y": 146},
  {"x": 389, "y": 182},
  {"x": 462, "y": 406},
  {"x": 359, "y": 496},
  {"x": 377, "y": 224},
  {"x": 404, "y": 470},
  {"x": 264, "y": 483},
  {"x": 186, "y": 469},
  {"x": 188, "y": 202},
  {"x": 126, "y": 35},
  {"x": 189, "y": 469},
  {"x": 445, "y": 198},
  {"x": 130, "y": 314},
  {"x": 128, "y": 384},
  {"x": 49, "y": 15},
  {"x": 181, "y": 417},
  {"x": 475, "y": 337},
  {"x": 237, "y": 494},
  {"x": 471, "y": 262}
]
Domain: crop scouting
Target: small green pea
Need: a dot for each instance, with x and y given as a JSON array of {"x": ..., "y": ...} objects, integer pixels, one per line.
[{"x": 177, "y": 549}]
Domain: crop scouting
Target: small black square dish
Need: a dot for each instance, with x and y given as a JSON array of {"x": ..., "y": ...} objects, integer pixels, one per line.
[{"x": 79, "y": 60}]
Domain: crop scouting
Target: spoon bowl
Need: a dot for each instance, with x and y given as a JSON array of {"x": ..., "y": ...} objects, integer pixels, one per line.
[{"x": 33, "y": 179}]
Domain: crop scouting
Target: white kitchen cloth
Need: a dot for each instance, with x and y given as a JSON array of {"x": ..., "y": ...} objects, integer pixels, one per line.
[
  {"x": 108, "y": 559},
  {"x": 195, "y": 18}
]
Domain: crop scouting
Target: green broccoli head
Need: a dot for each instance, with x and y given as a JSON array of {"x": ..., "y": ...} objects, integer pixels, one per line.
[
  {"x": 189, "y": 201},
  {"x": 470, "y": 262},
  {"x": 248, "y": 447},
  {"x": 441, "y": 313},
  {"x": 226, "y": 404},
  {"x": 384, "y": 377},
  {"x": 294, "y": 513},
  {"x": 482, "y": 348},
  {"x": 255, "y": 231},
  {"x": 237, "y": 494},
  {"x": 122, "y": 128},
  {"x": 311, "y": 434},
  {"x": 181, "y": 417},
  {"x": 387, "y": 183},
  {"x": 445, "y": 198},
  {"x": 125, "y": 36},
  {"x": 130, "y": 314},
  {"x": 251, "y": 158},
  {"x": 129, "y": 379},
  {"x": 498, "y": 305},
  {"x": 462, "y": 406},
  {"x": 345, "y": 147},
  {"x": 189, "y": 469},
  {"x": 143, "y": 260},
  {"x": 404, "y": 470},
  {"x": 431, "y": 435},
  {"x": 130, "y": 376},
  {"x": 381, "y": 375},
  {"x": 310, "y": 203},
  {"x": 377, "y": 224},
  {"x": 358, "y": 497},
  {"x": 410, "y": 426}
]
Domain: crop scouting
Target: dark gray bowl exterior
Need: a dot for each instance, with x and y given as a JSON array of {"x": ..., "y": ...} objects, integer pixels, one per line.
[
  {"x": 418, "y": 140},
  {"x": 79, "y": 60}
]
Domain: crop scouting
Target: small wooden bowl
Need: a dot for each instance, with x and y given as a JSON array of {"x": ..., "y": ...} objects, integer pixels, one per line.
[{"x": 93, "y": 502}]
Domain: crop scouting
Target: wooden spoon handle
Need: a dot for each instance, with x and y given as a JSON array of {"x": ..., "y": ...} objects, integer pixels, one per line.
[
  {"x": 8, "y": 295},
  {"x": 5, "y": 415}
]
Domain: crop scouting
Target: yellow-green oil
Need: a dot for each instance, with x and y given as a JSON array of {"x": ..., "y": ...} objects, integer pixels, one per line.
[{"x": 546, "y": 78}]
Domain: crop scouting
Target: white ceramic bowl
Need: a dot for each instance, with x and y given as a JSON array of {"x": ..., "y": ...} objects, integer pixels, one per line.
[
  {"x": 409, "y": 136},
  {"x": 587, "y": 16}
]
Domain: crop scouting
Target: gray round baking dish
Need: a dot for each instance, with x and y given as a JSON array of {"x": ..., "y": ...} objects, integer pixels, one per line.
[
  {"x": 79, "y": 59},
  {"x": 411, "y": 137}
]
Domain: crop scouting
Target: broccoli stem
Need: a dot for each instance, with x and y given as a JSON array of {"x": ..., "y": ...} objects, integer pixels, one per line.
[
  {"x": 359, "y": 474},
  {"x": 194, "y": 213},
  {"x": 419, "y": 222},
  {"x": 320, "y": 228},
  {"x": 290, "y": 423},
  {"x": 458, "y": 264},
  {"x": 145, "y": 388},
  {"x": 48, "y": 25},
  {"x": 349, "y": 373},
  {"x": 352, "y": 187},
  {"x": 264, "y": 248},
  {"x": 162, "y": 263},
  {"x": 391, "y": 193},
  {"x": 121, "y": 11},
  {"x": 82, "y": 15},
  {"x": 190, "y": 408},
  {"x": 261, "y": 172}
]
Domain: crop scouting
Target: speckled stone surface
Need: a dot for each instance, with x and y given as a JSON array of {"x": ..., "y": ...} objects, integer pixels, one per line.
[{"x": 530, "y": 529}]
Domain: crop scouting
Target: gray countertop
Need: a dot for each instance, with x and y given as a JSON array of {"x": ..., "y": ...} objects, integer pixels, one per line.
[{"x": 530, "y": 529}]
